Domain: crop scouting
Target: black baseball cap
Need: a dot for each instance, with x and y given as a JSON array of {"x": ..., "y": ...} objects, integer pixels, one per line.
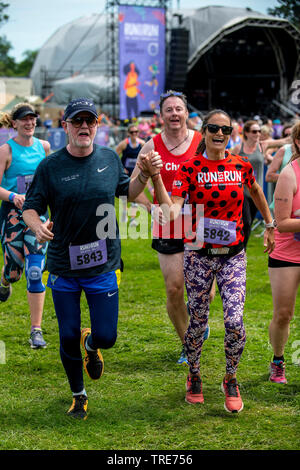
[
  {"x": 23, "y": 111},
  {"x": 78, "y": 105}
]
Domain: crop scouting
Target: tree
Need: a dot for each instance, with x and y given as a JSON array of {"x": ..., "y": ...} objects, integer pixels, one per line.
[
  {"x": 23, "y": 68},
  {"x": 3, "y": 16},
  {"x": 7, "y": 63},
  {"x": 288, "y": 9}
]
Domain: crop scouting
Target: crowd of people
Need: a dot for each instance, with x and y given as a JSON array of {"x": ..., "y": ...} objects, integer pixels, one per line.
[{"x": 186, "y": 161}]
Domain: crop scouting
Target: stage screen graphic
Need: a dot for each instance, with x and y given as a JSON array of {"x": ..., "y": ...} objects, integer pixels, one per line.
[{"x": 141, "y": 59}]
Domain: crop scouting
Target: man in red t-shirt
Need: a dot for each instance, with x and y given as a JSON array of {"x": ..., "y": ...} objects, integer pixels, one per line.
[{"x": 176, "y": 144}]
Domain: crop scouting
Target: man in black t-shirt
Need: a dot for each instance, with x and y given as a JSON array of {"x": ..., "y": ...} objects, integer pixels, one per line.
[{"x": 79, "y": 184}]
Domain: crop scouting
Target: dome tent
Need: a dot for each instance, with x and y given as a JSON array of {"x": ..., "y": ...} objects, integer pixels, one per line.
[{"x": 75, "y": 52}]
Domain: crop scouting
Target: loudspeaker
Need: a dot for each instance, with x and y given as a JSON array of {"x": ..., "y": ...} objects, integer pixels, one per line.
[{"x": 178, "y": 59}]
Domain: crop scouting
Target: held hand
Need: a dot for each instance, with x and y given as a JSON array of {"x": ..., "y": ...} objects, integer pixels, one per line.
[
  {"x": 157, "y": 215},
  {"x": 269, "y": 242},
  {"x": 19, "y": 200},
  {"x": 156, "y": 160},
  {"x": 44, "y": 232},
  {"x": 142, "y": 164},
  {"x": 150, "y": 163}
]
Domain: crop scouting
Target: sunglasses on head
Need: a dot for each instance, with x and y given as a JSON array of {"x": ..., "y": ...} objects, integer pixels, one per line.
[
  {"x": 163, "y": 96},
  {"x": 91, "y": 121},
  {"x": 214, "y": 128}
]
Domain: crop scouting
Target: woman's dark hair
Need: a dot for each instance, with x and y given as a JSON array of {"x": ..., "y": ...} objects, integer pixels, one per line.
[
  {"x": 287, "y": 125},
  {"x": 247, "y": 126},
  {"x": 202, "y": 146}
]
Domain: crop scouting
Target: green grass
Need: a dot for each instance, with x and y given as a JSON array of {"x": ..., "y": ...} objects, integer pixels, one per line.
[{"x": 139, "y": 402}]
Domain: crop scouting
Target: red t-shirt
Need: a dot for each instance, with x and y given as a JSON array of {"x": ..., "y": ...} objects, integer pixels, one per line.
[
  {"x": 215, "y": 189},
  {"x": 171, "y": 163}
]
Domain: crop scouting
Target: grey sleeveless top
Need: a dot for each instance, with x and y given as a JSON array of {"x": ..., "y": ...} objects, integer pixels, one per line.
[{"x": 257, "y": 161}]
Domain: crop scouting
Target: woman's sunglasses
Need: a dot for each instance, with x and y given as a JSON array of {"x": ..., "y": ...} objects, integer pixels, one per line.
[{"x": 214, "y": 128}]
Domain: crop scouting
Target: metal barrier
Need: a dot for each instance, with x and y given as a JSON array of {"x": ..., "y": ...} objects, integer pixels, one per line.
[{"x": 106, "y": 136}]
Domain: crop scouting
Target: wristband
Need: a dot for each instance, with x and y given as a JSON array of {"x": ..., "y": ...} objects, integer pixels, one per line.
[
  {"x": 144, "y": 176},
  {"x": 155, "y": 174},
  {"x": 271, "y": 224},
  {"x": 140, "y": 179},
  {"x": 11, "y": 197}
]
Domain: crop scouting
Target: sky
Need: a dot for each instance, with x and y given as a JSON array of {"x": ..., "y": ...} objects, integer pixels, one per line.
[{"x": 32, "y": 22}]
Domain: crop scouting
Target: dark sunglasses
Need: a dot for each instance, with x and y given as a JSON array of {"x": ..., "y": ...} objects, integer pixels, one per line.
[
  {"x": 91, "y": 121},
  {"x": 214, "y": 128},
  {"x": 133, "y": 132},
  {"x": 255, "y": 131}
]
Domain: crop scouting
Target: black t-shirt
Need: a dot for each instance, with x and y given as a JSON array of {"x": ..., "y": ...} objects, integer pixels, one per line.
[{"x": 80, "y": 193}]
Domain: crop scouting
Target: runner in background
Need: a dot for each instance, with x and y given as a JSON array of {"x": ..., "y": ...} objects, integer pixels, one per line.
[
  {"x": 129, "y": 149},
  {"x": 19, "y": 158},
  {"x": 284, "y": 261}
]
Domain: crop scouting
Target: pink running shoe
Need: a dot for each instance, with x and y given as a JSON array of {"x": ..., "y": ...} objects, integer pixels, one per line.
[
  {"x": 194, "y": 393},
  {"x": 233, "y": 401},
  {"x": 277, "y": 370}
]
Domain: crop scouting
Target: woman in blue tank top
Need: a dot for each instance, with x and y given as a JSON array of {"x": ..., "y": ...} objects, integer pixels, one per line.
[{"x": 19, "y": 158}]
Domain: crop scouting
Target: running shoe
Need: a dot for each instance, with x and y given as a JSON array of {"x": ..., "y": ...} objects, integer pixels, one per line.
[
  {"x": 233, "y": 401},
  {"x": 277, "y": 372},
  {"x": 206, "y": 333},
  {"x": 5, "y": 292},
  {"x": 194, "y": 393},
  {"x": 183, "y": 358},
  {"x": 79, "y": 407},
  {"x": 36, "y": 339},
  {"x": 93, "y": 360}
]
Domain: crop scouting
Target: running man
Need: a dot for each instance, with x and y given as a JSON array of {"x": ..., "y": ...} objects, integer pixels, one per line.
[
  {"x": 79, "y": 184},
  {"x": 175, "y": 144}
]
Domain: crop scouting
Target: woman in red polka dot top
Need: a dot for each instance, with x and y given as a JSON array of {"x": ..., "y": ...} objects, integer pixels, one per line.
[{"x": 214, "y": 182}]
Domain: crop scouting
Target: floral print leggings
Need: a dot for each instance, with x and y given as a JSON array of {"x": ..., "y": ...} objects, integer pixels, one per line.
[
  {"x": 230, "y": 273},
  {"x": 17, "y": 242}
]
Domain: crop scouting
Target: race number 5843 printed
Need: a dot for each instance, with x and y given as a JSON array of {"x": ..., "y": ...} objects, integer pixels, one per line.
[{"x": 88, "y": 255}]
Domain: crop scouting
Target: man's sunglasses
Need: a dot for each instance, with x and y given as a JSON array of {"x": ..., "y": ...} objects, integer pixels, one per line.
[
  {"x": 214, "y": 128},
  {"x": 170, "y": 93},
  {"x": 91, "y": 121},
  {"x": 133, "y": 132}
]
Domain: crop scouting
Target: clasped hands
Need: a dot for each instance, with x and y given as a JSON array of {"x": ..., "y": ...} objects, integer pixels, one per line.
[{"x": 150, "y": 163}]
